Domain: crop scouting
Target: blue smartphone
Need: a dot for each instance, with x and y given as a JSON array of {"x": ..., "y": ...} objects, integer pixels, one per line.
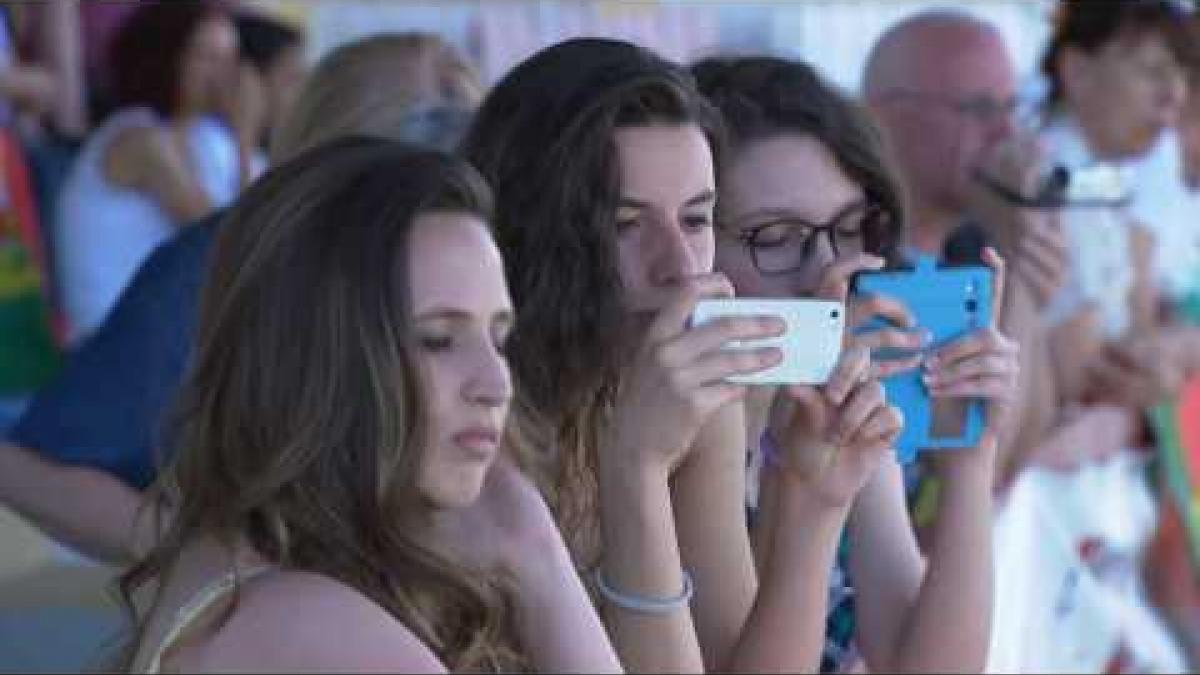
[{"x": 949, "y": 302}]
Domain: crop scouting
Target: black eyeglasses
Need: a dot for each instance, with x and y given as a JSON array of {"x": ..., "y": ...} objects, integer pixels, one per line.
[{"x": 786, "y": 243}]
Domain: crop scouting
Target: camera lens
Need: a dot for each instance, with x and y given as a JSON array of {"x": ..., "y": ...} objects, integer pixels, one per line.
[
  {"x": 833, "y": 314},
  {"x": 972, "y": 306}
]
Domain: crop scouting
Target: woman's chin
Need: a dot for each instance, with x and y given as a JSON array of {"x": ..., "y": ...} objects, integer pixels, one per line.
[{"x": 461, "y": 491}]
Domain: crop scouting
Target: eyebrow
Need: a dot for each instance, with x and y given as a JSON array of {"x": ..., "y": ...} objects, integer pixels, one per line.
[
  {"x": 783, "y": 212},
  {"x": 706, "y": 197},
  {"x": 458, "y": 315}
]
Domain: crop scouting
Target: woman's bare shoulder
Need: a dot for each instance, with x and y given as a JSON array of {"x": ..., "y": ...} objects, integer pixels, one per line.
[{"x": 300, "y": 621}]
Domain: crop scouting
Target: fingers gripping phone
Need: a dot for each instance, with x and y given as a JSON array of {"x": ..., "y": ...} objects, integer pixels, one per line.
[
  {"x": 949, "y": 302},
  {"x": 811, "y": 343}
]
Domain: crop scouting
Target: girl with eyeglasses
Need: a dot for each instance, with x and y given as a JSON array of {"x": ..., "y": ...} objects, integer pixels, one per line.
[{"x": 807, "y": 198}]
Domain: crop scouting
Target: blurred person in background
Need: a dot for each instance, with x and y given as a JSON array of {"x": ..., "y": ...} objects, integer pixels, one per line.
[
  {"x": 943, "y": 86},
  {"x": 1166, "y": 188},
  {"x": 275, "y": 53},
  {"x": 148, "y": 169},
  {"x": 100, "y": 23},
  {"x": 41, "y": 116},
  {"x": 1126, "y": 350},
  {"x": 41, "y": 67},
  {"x": 412, "y": 71},
  {"x": 947, "y": 120},
  {"x": 1144, "y": 56},
  {"x": 79, "y": 457}
]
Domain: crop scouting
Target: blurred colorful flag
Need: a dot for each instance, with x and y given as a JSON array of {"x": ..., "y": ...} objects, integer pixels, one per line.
[
  {"x": 28, "y": 351},
  {"x": 1178, "y": 426}
]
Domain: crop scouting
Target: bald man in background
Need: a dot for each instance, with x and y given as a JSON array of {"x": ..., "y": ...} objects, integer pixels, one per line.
[{"x": 943, "y": 88}]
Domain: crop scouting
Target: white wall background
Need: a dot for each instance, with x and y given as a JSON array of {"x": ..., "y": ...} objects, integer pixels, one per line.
[{"x": 835, "y": 35}]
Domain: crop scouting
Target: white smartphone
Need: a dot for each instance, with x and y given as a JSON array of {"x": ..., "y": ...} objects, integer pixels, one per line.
[{"x": 811, "y": 343}]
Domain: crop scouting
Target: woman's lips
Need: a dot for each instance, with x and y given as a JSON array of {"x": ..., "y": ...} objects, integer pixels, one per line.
[{"x": 479, "y": 441}]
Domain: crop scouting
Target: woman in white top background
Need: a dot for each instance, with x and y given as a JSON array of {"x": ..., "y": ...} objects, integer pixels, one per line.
[
  {"x": 182, "y": 105},
  {"x": 1118, "y": 347}
]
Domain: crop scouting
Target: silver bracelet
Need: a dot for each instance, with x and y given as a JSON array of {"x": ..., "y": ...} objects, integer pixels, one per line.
[{"x": 636, "y": 603}]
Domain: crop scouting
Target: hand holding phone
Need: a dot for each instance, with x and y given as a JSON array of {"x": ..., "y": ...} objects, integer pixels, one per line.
[
  {"x": 676, "y": 377},
  {"x": 811, "y": 343},
  {"x": 948, "y": 303}
]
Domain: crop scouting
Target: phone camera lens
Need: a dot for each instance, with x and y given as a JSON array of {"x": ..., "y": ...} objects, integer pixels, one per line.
[
  {"x": 972, "y": 306},
  {"x": 833, "y": 314}
]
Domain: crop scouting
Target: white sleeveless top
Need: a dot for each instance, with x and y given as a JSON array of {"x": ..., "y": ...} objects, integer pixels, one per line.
[
  {"x": 1164, "y": 204},
  {"x": 103, "y": 232},
  {"x": 1099, "y": 240}
]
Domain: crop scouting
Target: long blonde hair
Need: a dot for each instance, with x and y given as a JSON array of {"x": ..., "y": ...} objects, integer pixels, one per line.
[
  {"x": 368, "y": 86},
  {"x": 302, "y": 428}
]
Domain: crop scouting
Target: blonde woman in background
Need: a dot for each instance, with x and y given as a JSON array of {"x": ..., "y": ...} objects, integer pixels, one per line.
[{"x": 360, "y": 88}]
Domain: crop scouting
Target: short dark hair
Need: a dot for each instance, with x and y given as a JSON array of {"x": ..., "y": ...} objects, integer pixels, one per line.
[
  {"x": 263, "y": 39},
  {"x": 147, "y": 53},
  {"x": 763, "y": 97},
  {"x": 1089, "y": 25}
]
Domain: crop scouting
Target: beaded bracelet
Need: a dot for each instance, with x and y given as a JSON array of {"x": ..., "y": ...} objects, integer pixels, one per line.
[{"x": 635, "y": 603}]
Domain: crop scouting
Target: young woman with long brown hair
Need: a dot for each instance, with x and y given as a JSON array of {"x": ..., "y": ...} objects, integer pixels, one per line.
[{"x": 339, "y": 499}]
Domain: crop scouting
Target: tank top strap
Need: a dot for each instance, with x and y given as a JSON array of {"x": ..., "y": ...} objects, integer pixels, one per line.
[{"x": 187, "y": 615}]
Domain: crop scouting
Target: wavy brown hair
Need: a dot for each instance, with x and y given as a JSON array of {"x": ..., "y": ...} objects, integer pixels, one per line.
[
  {"x": 301, "y": 427},
  {"x": 544, "y": 139}
]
